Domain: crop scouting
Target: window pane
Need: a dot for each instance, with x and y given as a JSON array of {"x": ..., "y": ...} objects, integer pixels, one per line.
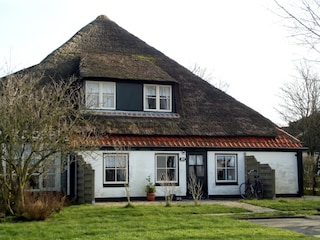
[
  {"x": 161, "y": 161},
  {"x": 231, "y": 174},
  {"x": 199, "y": 160},
  {"x": 92, "y": 93},
  {"x": 192, "y": 160},
  {"x": 110, "y": 162},
  {"x": 49, "y": 181},
  {"x": 150, "y": 91},
  {"x": 192, "y": 171},
  {"x": 120, "y": 162},
  {"x": 171, "y": 163},
  {"x": 108, "y": 101},
  {"x": 121, "y": 175},
  {"x": 151, "y": 103},
  {"x": 164, "y": 97},
  {"x": 108, "y": 88},
  {"x": 108, "y": 95},
  {"x": 161, "y": 174},
  {"x": 110, "y": 175},
  {"x": 164, "y": 91},
  {"x": 200, "y": 171},
  {"x": 164, "y": 104},
  {"x": 171, "y": 175},
  {"x": 34, "y": 182},
  {"x": 220, "y": 164},
  {"x": 230, "y": 161},
  {"x": 221, "y": 175}
]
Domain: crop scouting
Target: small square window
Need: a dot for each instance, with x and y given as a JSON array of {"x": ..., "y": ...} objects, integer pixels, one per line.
[
  {"x": 100, "y": 95},
  {"x": 226, "y": 168},
  {"x": 167, "y": 168},
  {"x": 115, "y": 168},
  {"x": 157, "y": 98}
]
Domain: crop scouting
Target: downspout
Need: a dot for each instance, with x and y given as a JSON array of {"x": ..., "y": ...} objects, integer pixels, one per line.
[
  {"x": 300, "y": 173},
  {"x": 68, "y": 175}
]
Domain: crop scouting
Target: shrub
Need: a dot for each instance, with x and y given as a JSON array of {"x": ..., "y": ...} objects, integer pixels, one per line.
[{"x": 41, "y": 205}]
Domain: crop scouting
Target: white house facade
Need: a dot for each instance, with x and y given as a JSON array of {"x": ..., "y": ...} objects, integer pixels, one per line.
[{"x": 221, "y": 171}]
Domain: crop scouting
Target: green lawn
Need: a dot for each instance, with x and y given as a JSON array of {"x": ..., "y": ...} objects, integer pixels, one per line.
[
  {"x": 206, "y": 221},
  {"x": 297, "y": 205}
]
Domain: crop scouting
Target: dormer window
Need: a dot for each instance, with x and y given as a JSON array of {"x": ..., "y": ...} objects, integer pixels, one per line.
[
  {"x": 157, "y": 98},
  {"x": 100, "y": 95}
]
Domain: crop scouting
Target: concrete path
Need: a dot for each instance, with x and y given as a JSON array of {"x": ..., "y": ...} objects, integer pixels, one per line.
[
  {"x": 230, "y": 203},
  {"x": 309, "y": 225},
  {"x": 249, "y": 207}
]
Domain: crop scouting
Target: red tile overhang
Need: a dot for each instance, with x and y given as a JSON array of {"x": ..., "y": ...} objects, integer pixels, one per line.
[{"x": 281, "y": 141}]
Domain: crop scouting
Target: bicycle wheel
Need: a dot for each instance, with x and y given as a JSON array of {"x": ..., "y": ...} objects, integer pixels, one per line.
[
  {"x": 245, "y": 191},
  {"x": 242, "y": 190}
]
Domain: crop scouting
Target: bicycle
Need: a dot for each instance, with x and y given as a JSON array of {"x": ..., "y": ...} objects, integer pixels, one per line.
[{"x": 248, "y": 190}]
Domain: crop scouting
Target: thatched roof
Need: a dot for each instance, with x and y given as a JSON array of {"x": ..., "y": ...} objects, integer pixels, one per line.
[{"x": 105, "y": 50}]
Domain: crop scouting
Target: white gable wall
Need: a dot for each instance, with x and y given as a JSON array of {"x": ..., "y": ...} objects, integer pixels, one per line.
[
  {"x": 286, "y": 169},
  {"x": 284, "y": 164}
]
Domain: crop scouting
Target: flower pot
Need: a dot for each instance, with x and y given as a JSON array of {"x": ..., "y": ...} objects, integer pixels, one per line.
[{"x": 151, "y": 196}]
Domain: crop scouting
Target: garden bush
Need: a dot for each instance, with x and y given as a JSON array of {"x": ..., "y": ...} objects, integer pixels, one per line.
[{"x": 41, "y": 205}]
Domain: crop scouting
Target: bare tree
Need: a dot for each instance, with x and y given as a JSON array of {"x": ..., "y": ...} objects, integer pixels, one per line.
[
  {"x": 300, "y": 107},
  {"x": 303, "y": 20},
  {"x": 207, "y": 76},
  {"x": 37, "y": 121},
  {"x": 300, "y": 97},
  {"x": 195, "y": 189},
  {"x": 120, "y": 149}
]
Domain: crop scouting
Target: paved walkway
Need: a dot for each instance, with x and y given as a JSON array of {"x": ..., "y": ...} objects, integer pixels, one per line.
[
  {"x": 309, "y": 225},
  {"x": 230, "y": 203}
]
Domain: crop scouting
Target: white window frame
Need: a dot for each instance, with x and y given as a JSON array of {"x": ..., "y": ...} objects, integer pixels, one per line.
[
  {"x": 116, "y": 168},
  {"x": 101, "y": 85},
  {"x": 157, "y": 98},
  {"x": 160, "y": 178},
  {"x": 228, "y": 171}
]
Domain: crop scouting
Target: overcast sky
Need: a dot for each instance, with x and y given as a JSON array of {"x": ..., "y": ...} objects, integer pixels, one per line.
[{"x": 239, "y": 42}]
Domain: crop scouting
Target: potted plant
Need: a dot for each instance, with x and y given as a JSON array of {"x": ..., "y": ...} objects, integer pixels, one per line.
[{"x": 150, "y": 190}]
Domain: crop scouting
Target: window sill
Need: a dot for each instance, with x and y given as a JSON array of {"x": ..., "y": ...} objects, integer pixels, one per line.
[
  {"x": 167, "y": 184},
  {"x": 226, "y": 183},
  {"x": 133, "y": 114},
  {"x": 114, "y": 185}
]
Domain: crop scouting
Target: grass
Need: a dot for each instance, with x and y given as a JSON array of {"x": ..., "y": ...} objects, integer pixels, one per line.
[
  {"x": 206, "y": 221},
  {"x": 294, "y": 205}
]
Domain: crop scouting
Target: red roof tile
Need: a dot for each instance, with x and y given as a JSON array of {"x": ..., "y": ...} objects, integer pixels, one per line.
[{"x": 282, "y": 141}]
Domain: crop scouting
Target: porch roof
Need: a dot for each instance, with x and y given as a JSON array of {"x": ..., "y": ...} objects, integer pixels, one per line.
[{"x": 281, "y": 141}]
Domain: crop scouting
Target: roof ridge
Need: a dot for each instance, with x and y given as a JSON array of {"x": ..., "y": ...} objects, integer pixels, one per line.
[{"x": 288, "y": 134}]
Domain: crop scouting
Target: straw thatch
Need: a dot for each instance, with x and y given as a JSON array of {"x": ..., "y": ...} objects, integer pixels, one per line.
[{"x": 102, "y": 49}]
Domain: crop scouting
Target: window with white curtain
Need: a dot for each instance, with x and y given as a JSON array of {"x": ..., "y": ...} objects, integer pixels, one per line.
[
  {"x": 115, "y": 168},
  {"x": 100, "y": 95},
  {"x": 157, "y": 98}
]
